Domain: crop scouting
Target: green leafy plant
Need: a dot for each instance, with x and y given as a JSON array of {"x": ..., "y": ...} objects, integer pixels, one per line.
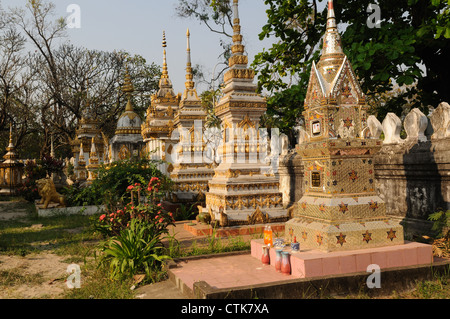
[
  {"x": 441, "y": 224},
  {"x": 113, "y": 181},
  {"x": 135, "y": 250},
  {"x": 145, "y": 204},
  {"x": 185, "y": 212},
  {"x": 82, "y": 196}
]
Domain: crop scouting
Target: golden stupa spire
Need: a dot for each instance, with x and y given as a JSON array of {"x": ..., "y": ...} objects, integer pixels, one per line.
[
  {"x": 238, "y": 48},
  {"x": 238, "y": 61},
  {"x": 165, "y": 73},
  {"x": 11, "y": 145},
  {"x": 128, "y": 88},
  {"x": 332, "y": 39},
  {"x": 189, "y": 76}
]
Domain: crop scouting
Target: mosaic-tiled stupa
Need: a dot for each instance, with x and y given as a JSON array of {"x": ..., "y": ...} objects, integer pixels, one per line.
[{"x": 340, "y": 209}]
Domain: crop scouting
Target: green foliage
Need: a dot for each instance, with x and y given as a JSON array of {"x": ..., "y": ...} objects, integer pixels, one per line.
[
  {"x": 145, "y": 204},
  {"x": 441, "y": 221},
  {"x": 209, "y": 100},
  {"x": 134, "y": 233},
  {"x": 113, "y": 180},
  {"x": 135, "y": 250},
  {"x": 82, "y": 196},
  {"x": 185, "y": 212},
  {"x": 413, "y": 37}
]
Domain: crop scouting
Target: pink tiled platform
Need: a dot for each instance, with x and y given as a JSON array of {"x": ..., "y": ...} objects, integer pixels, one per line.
[
  {"x": 315, "y": 263},
  {"x": 227, "y": 272}
]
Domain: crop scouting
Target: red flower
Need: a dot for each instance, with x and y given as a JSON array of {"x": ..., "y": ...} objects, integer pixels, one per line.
[
  {"x": 130, "y": 188},
  {"x": 102, "y": 217}
]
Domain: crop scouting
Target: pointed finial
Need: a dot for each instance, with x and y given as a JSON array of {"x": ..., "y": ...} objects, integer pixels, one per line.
[
  {"x": 189, "y": 76},
  {"x": 10, "y": 133},
  {"x": 164, "y": 43},
  {"x": 93, "y": 148},
  {"x": 52, "y": 149},
  {"x": 237, "y": 48},
  {"x": 128, "y": 85},
  {"x": 332, "y": 39},
  {"x": 331, "y": 19},
  {"x": 165, "y": 73},
  {"x": 128, "y": 88},
  {"x": 81, "y": 157}
]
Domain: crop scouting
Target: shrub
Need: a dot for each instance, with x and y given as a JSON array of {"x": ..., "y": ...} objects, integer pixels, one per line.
[
  {"x": 145, "y": 205},
  {"x": 134, "y": 232},
  {"x": 82, "y": 196},
  {"x": 135, "y": 250},
  {"x": 114, "y": 179},
  {"x": 441, "y": 224}
]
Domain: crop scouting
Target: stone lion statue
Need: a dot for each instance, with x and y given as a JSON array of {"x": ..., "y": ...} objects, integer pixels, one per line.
[{"x": 47, "y": 190}]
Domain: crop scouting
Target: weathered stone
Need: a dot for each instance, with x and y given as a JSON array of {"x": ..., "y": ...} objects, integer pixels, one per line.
[
  {"x": 440, "y": 120},
  {"x": 415, "y": 125},
  {"x": 375, "y": 127},
  {"x": 392, "y": 126}
]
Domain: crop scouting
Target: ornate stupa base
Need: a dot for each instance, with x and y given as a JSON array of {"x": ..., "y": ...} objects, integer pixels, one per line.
[{"x": 326, "y": 236}]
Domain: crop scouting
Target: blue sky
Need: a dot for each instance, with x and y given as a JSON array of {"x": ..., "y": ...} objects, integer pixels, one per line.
[{"x": 137, "y": 26}]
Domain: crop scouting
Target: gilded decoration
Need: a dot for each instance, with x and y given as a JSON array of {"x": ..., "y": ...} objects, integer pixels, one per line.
[{"x": 340, "y": 205}]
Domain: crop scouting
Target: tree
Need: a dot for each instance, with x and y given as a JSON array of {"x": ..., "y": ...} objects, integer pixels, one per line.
[
  {"x": 69, "y": 81},
  {"x": 217, "y": 16},
  {"x": 16, "y": 84},
  {"x": 410, "y": 49}
]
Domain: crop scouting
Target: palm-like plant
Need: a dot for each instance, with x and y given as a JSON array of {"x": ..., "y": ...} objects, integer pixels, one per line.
[{"x": 134, "y": 250}]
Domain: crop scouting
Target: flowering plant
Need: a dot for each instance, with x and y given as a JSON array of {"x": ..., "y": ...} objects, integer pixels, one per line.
[
  {"x": 145, "y": 205},
  {"x": 133, "y": 233}
]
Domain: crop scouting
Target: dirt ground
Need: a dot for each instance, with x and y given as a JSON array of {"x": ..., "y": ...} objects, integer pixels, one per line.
[
  {"x": 40, "y": 275},
  {"x": 36, "y": 276}
]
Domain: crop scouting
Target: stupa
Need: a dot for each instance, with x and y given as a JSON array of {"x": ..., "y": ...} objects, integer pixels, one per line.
[
  {"x": 94, "y": 162},
  {"x": 11, "y": 170},
  {"x": 191, "y": 172},
  {"x": 127, "y": 141},
  {"x": 159, "y": 124},
  {"x": 244, "y": 190},
  {"x": 340, "y": 209},
  {"x": 88, "y": 131}
]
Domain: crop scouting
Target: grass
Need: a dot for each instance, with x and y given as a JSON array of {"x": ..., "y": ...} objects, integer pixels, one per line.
[
  {"x": 208, "y": 246},
  {"x": 16, "y": 276},
  {"x": 95, "y": 284}
]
